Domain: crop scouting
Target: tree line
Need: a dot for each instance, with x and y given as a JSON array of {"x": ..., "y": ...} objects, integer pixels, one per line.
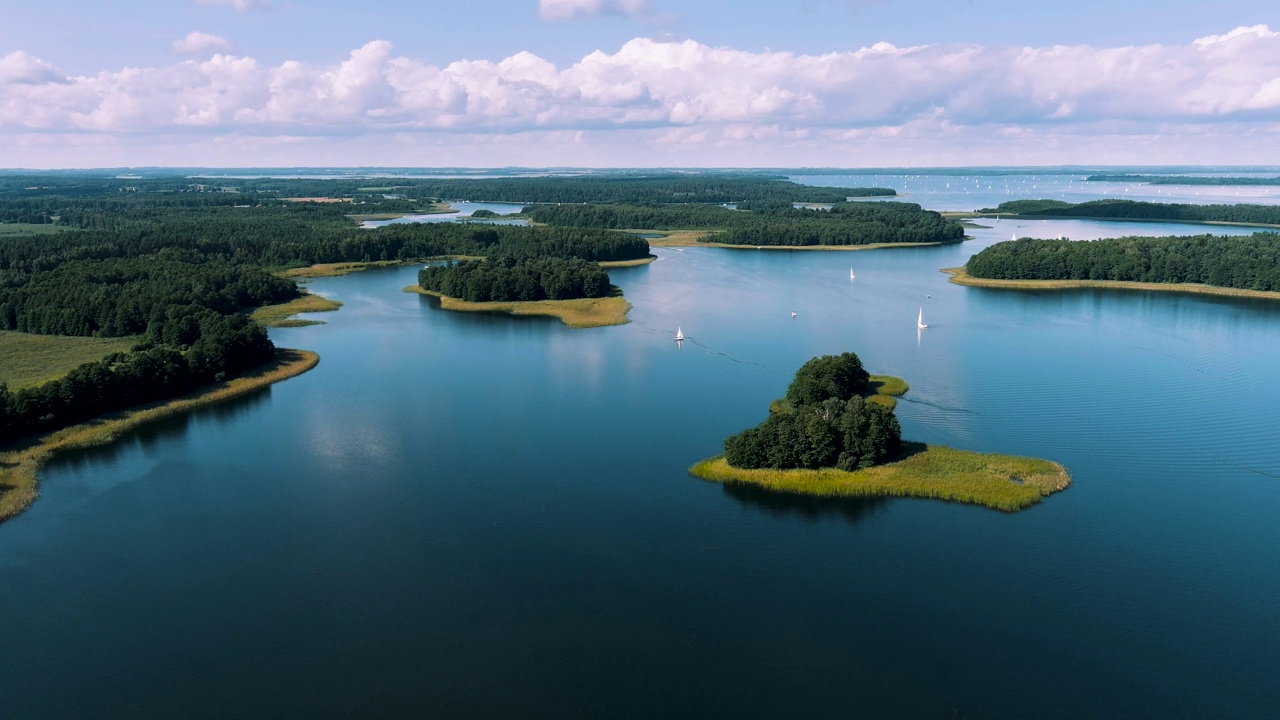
[
  {"x": 219, "y": 347},
  {"x": 1249, "y": 263},
  {"x": 1184, "y": 180},
  {"x": 828, "y": 423},
  {"x": 768, "y": 222},
  {"x": 506, "y": 278},
  {"x": 1139, "y": 210}
]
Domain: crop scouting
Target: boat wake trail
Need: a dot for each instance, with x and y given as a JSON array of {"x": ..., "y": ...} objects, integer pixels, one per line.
[
  {"x": 730, "y": 357},
  {"x": 944, "y": 408}
]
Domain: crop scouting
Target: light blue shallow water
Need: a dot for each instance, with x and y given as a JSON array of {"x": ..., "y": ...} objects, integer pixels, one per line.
[{"x": 460, "y": 515}]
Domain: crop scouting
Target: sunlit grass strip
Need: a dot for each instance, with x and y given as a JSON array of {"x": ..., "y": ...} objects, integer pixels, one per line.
[
  {"x": 20, "y": 464},
  {"x": 627, "y": 263},
  {"x": 960, "y": 277},
  {"x": 28, "y": 360},
  {"x": 282, "y": 315},
  {"x": 576, "y": 313},
  {"x": 322, "y": 270},
  {"x": 999, "y": 482}
]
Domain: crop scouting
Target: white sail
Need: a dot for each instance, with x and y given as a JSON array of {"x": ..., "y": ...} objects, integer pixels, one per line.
[
  {"x": 851, "y": 272},
  {"x": 679, "y": 335},
  {"x": 920, "y": 319}
]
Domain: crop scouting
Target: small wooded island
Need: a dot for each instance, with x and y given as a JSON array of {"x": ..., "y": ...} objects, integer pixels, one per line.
[
  {"x": 575, "y": 290},
  {"x": 835, "y": 435}
]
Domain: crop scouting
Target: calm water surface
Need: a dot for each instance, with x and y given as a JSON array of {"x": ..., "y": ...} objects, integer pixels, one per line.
[
  {"x": 464, "y": 212},
  {"x": 461, "y": 515},
  {"x": 972, "y": 192}
]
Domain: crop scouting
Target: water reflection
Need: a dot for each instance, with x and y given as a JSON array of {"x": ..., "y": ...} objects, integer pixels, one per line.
[{"x": 807, "y": 507}]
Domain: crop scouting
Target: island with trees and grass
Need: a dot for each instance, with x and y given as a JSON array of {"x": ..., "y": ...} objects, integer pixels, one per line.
[
  {"x": 1207, "y": 264},
  {"x": 1240, "y": 214},
  {"x": 774, "y": 224},
  {"x": 835, "y": 435}
]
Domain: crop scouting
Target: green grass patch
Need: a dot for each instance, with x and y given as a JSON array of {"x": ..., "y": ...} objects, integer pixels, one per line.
[
  {"x": 282, "y": 315},
  {"x": 31, "y": 229},
  {"x": 30, "y": 360},
  {"x": 576, "y": 313},
  {"x": 1000, "y": 482},
  {"x": 20, "y": 463}
]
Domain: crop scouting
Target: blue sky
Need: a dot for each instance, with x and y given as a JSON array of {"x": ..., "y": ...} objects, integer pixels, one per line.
[{"x": 638, "y": 82}]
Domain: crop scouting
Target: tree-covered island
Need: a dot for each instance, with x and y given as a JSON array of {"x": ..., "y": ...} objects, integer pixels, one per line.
[
  {"x": 835, "y": 435},
  {"x": 1206, "y": 264}
]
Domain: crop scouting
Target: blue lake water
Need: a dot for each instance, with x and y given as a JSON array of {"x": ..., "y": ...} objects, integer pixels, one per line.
[
  {"x": 972, "y": 192},
  {"x": 459, "y": 515},
  {"x": 464, "y": 211}
]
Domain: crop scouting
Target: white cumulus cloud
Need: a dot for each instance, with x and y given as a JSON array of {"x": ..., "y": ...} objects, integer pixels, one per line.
[
  {"x": 682, "y": 94},
  {"x": 238, "y": 4},
  {"x": 198, "y": 42},
  {"x": 569, "y": 9}
]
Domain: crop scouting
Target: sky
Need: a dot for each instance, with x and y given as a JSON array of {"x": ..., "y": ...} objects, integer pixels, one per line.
[{"x": 638, "y": 83}]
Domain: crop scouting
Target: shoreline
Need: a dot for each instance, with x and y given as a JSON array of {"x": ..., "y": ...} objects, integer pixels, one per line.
[
  {"x": 20, "y": 463},
  {"x": 1008, "y": 216},
  {"x": 627, "y": 263},
  {"x": 1008, "y": 483},
  {"x": 283, "y": 314},
  {"x": 960, "y": 277},
  {"x": 692, "y": 238},
  {"x": 576, "y": 313}
]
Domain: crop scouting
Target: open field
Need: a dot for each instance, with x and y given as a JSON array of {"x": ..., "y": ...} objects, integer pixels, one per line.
[
  {"x": 20, "y": 463},
  {"x": 30, "y": 360},
  {"x": 960, "y": 277},
  {"x": 577, "y": 313},
  {"x": 999, "y": 482},
  {"x": 31, "y": 229}
]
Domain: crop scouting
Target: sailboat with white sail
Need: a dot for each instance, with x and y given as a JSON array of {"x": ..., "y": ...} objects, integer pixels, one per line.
[
  {"x": 851, "y": 275},
  {"x": 920, "y": 320},
  {"x": 679, "y": 335}
]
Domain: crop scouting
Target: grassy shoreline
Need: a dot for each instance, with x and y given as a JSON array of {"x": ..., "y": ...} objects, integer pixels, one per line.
[
  {"x": 1001, "y": 482},
  {"x": 577, "y": 313},
  {"x": 627, "y": 263},
  {"x": 960, "y": 277},
  {"x": 20, "y": 463},
  {"x": 282, "y": 315},
  {"x": 1009, "y": 216},
  {"x": 884, "y": 390}
]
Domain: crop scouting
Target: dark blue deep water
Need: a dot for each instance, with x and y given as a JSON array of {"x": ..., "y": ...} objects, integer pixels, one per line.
[{"x": 461, "y": 515}]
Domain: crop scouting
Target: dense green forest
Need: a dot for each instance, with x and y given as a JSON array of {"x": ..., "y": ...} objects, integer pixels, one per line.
[
  {"x": 1185, "y": 180},
  {"x": 1250, "y": 263},
  {"x": 180, "y": 267},
  {"x": 505, "y": 278},
  {"x": 1137, "y": 210},
  {"x": 384, "y": 194},
  {"x": 828, "y": 423},
  {"x": 768, "y": 222}
]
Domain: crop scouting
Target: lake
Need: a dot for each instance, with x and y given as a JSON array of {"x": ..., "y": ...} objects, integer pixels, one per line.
[
  {"x": 975, "y": 191},
  {"x": 464, "y": 210},
  {"x": 460, "y": 515}
]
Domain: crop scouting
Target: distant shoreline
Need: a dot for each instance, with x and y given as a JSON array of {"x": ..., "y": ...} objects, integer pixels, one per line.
[
  {"x": 960, "y": 277},
  {"x": 21, "y": 463}
]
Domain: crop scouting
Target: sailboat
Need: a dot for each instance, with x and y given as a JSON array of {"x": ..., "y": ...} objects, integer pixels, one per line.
[
  {"x": 679, "y": 335},
  {"x": 1015, "y": 237},
  {"x": 851, "y": 272},
  {"x": 920, "y": 320},
  {"x": 793, "y": 313}
]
